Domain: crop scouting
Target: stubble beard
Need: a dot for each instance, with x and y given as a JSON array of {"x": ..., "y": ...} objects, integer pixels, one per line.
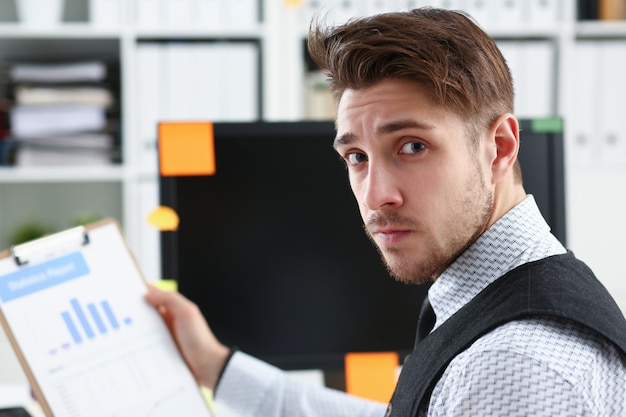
[{"x": 472, "y": 214}]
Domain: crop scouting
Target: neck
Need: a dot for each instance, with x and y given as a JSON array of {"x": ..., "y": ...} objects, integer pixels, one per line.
[{"x": 506, "y": 196}]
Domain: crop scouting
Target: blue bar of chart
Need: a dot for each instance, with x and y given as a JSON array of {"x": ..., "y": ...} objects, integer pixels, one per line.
[
  {"x": 109, "y": 312},
  {"x": 80, "y": 321},
  {"x": 82, "y": 318},
  {"x": 69, "y": 323}
]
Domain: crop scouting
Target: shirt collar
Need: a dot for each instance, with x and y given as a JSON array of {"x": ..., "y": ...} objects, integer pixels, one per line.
[{"x": 520, "y": 236}]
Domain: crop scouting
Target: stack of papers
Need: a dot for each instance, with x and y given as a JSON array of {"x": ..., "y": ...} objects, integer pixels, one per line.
[
  {"x": 81, "y": 149},
  {"x": 59, "y": 73},
  {"x": 97, "y": 96},
  {"x": 46, "y": 120},
  {"x": 61, "y": 114}
]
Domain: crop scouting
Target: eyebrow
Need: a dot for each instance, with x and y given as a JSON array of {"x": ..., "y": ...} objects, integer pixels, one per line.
[{"x": 348, "y": 137}]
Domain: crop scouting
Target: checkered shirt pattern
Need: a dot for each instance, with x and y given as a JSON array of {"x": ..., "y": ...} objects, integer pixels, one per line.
[{"x": 535, "y": 367}]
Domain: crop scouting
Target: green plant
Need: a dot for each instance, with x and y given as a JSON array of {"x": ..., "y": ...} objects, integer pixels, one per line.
[
  {"x": 85, "y": 217},
  {"x": 28, "y": 231}
]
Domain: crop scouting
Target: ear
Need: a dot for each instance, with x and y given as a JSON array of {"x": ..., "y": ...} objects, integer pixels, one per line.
[{"x": 505, "y": 131}]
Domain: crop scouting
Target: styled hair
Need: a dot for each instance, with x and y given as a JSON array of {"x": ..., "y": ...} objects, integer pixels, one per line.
[{"x": 443, "y": 50}]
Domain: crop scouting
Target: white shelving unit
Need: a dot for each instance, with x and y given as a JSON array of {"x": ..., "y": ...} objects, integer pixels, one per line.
[
  {"x": 54, "y": 195},
  {"x": 596, "y": 181}
]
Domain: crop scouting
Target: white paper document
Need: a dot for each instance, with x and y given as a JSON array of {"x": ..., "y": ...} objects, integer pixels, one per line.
[{"x": 90, "y": 344}]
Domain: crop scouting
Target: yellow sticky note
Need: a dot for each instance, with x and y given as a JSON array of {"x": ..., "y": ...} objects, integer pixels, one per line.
[
  {"x": 293, "y": 2},
  {"x": 208, "y": 397},
  {"x": 186, "y": 148},
  {"x": 166, "y": 284},
  {"x": 372, "y": 375},
  {"x": 164, "y": 218}
]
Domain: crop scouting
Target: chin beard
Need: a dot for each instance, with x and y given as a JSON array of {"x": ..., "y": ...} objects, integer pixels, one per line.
[
  {"x": 417, "y": 273},
  {"x": 431, "y": 266},
  {"x": 424, "y": 272}
]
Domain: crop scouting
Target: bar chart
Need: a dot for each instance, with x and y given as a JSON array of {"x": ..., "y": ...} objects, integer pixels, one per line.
[
  {"x": 76, "y": 324},
  {"x": 91, "y": 320}
]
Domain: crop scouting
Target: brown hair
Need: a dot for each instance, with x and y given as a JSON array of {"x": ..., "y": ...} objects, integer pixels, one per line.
[{"x": 443, "y": 50}]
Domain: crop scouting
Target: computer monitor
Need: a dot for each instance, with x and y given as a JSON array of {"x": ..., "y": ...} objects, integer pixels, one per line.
[
  {"x": 273, "y": 251},
  {"x": 542, "y": 158}
]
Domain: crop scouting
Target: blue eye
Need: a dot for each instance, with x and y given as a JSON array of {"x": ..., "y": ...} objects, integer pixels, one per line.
[
  {"x": 413, "y": 147},
  {"x": 354, "y": 158}
]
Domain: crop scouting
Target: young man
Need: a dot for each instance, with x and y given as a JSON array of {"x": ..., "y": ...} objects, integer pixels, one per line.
[{"x": 425, "y": 126}]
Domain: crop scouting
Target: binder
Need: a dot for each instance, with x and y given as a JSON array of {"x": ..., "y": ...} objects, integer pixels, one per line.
[
  {"x": 539, "y": 82},
  {"x": 612, "y": 104},
  {"x": 532, "y": 67},
  {"x": 72, "y": 305},
  {"x": 239, "y": 72},
  {"x": 242, "y": 14},
  {"x": 179, "y": 67},
  {"x": 611, "y": 9},
  {"x": 150, "y": 79},
  {"x": 510, "y": 13},
  {"x": 209, "y": 13},
  {"x": 105, "y": 13},
  {"x": 372, "y": 7},
  {"x": 178, "y": 14},
  {"x": 582, "y": 147},
  {"x": 345, "y": 10},
  {"x": 316, "y": 9},
  {"x": 544, "y": 13},
  {"x": 148, "y": 14},
  {"x": 209, "y": 82},
  {"x": 482, "y": 11}
]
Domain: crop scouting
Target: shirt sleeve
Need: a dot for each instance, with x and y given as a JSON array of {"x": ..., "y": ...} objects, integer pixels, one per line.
[
  {"x": 503, "y": 384},
  {"x": 252, "y": 388}
]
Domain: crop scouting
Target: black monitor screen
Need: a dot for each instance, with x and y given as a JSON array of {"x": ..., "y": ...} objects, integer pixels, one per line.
[
  {"x": 273, "y": 251},
  {"x": 542, "y": 159}
]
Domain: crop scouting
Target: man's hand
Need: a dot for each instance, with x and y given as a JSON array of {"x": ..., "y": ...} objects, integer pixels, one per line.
[{"x": 204, "y": 354}]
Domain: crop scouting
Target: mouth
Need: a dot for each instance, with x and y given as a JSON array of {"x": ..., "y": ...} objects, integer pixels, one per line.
[
  {"x": 389, "y": 236},
  {"x": 389, "y": 229}
]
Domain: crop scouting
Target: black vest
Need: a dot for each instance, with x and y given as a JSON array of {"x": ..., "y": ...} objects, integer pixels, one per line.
[{"x": 559, "y": 286}]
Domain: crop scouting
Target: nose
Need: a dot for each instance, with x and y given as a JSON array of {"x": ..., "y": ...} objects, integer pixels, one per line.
[{"x": 380, "y": 187}]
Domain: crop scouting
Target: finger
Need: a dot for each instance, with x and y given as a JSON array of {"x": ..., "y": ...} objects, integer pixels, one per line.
[
  {"x": 158, "y": 297},
  {"x": 171, "y": 303}
]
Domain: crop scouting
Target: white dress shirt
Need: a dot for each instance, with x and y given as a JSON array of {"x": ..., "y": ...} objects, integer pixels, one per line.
[{"x": 535, "y": 367}]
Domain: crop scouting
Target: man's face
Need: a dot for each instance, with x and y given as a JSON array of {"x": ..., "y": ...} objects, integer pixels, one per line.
[{"x": 424, "y": 194}]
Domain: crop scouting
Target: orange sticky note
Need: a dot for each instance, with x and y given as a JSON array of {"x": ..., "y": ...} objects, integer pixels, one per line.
[
  {"x": 372, "y": 375},
  {"x": 186, "y": 148}
]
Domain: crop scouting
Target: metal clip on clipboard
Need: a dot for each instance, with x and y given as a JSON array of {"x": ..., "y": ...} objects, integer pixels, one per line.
[{"x": 50, "y": 246}]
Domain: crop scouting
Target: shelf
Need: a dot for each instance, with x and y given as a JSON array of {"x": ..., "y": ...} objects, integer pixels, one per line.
[
  {"x": 601, "y": 29},
  {"x": 9, "y": 31},
  {"x": 199, "y": 33},
  {"x": 42, "y": 46},
  {"x": 61, "y": 174},
  {"x": 551, "y": 32},
  {"x": 63, "y": 31}
]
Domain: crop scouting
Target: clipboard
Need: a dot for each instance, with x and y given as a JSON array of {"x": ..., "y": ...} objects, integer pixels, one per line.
[{"x": 72, "y": 306}]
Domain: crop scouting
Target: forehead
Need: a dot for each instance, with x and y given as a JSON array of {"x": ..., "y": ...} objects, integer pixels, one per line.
[
  {"x": 386, "y": 89},
  {"x": 391, "y": 103}
]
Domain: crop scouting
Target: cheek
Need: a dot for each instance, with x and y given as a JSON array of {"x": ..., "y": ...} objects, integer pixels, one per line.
[{"x": 437, "y": 193}]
